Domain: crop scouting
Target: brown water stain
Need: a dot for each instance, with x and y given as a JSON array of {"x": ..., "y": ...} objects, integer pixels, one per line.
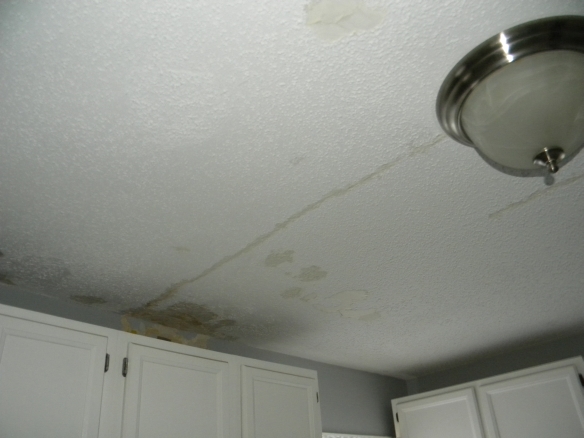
[
  {"x": 88, "y": 299},
  {"x": 312, "y": 273},
  {"x": 310, "y": 297},
  {"x": 293, "y": 292},
  {"x": 277, "y": 258},
  {"x": 152, "y": 330},
  {"x": 5, "y": 280},
  {"x": 188, "y": 317},
  {"x": 181, "y": 249}
]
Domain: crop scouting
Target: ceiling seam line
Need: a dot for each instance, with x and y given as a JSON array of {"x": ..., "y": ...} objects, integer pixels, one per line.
[
  {"x": 335, "y": 193},
  {"x": 537, "y": 194}
]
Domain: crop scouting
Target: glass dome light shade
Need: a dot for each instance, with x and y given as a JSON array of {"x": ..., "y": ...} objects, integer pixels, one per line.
[
  {"x": 519, "y": 92},
  {"x": 526, "y": 106}
]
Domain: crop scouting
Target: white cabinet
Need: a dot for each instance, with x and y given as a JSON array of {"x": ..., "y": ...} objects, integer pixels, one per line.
[
  {"x": 51, "y": 380},
  {"x": 538, "y": 402},
  {"x": 544, "y": 404},
  {"x": 53, "y": 384},
  {"x": 171, "y": 394},
  {"x": 424, "y": 418},
  {"x": 266, "y": 394}
]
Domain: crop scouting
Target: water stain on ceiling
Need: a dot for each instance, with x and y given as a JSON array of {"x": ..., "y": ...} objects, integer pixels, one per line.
[
  {"x": 275, "y": 259},
  {"x": 5, "y": 280},
  {"x": 332, "y": 20},
  {"x": 88, "y": 299},
  {"x": 33, "y": 271},
  {"x": 293, "y": 292},
  {"x": 188, "y": 317},
  {"x": 311, "y": 273},
  {"x": 157, "y": 331}
]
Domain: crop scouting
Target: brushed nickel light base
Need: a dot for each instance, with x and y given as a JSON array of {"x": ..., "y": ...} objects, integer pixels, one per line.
[{"x": 549, "y": 34}]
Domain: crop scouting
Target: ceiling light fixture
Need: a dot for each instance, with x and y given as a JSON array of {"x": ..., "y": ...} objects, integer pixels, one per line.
[{"x": 519, "y": 96}]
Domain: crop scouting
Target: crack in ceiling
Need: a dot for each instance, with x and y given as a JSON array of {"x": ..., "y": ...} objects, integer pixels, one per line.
[
  {"x": 535, "y": 195},
  {"x": 336, "y": 193}
]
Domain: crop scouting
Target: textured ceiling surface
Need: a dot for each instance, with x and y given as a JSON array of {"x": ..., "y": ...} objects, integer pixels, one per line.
[{"x": 273, "y": 172}]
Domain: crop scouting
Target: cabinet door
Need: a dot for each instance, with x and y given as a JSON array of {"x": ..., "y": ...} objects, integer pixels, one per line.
[
  {"x": 539, "y": 405},
  {"x": 175, "y": 395},
  {"x": 51, "y": 380},
  {"x": 450, "y": 415},
  {"x": 279, "y": 405}
]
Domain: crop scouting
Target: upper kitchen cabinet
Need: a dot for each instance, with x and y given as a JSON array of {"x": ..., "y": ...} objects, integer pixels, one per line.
[
  {"x": 51, "y": 380},
  {"x": 537, "y": 402},
  {"x": 452, "y": 414},
  {"x": 270, "y": 391},
  {"x": 172, "y": 390},
  {"x": 540, "y": 404}
]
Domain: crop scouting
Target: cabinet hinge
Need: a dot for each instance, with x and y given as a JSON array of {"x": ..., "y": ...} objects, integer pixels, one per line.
[
  {"x": 317, "y": 397},
  {"x": 581, "y": 379},
  {"x": 397, "y": 417},
  {"x": 106, "y": 366},
  {"x": 125, "y": 367}
]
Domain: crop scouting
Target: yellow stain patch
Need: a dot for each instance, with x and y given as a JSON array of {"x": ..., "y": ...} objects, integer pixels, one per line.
[
  {"x": 332, "y": 20},
  {"x": 152, "y": 330}
]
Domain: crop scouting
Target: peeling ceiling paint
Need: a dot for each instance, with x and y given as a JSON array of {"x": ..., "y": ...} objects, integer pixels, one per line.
[{"x": 221, "y": 169}]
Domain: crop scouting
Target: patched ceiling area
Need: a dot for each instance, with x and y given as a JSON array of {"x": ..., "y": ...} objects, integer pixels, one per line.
[{"x": 273, "y": 173}]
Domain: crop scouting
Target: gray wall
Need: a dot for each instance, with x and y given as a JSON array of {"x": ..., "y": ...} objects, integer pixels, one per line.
[
  {"x": 352, "y": 402},
  {"x": 523, "y": 358}
]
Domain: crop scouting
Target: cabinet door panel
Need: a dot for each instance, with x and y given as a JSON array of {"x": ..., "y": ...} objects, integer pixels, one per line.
[
  {"x": 51, "y": 380},
  {"x": 175, "y": 395},
  {"x": 450, "y": 415},
  {"x": 279, "y": 405},
  {"x": 543, "y": 404}
]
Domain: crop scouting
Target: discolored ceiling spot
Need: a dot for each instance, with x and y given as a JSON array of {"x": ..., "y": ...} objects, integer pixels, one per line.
[
  {"x": 181, "y": 249},
  {"x": 309, "y": 297},
  {"x": 5, "y": 280},
  {"x": 334, "y": 19},
  {"x": 157, "y": 331},
  {"x": 312, "y": 273},
  {"x": 348, "y": 304},
  {"x": 297, "y": 160},
  {"x": 188, "y": 317},
  {"x": 88, "y": 299},
  {"x": 293, "y": 292},
  {"x": 34, "y": 270},
  {"x": 277, "y": 258}
]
